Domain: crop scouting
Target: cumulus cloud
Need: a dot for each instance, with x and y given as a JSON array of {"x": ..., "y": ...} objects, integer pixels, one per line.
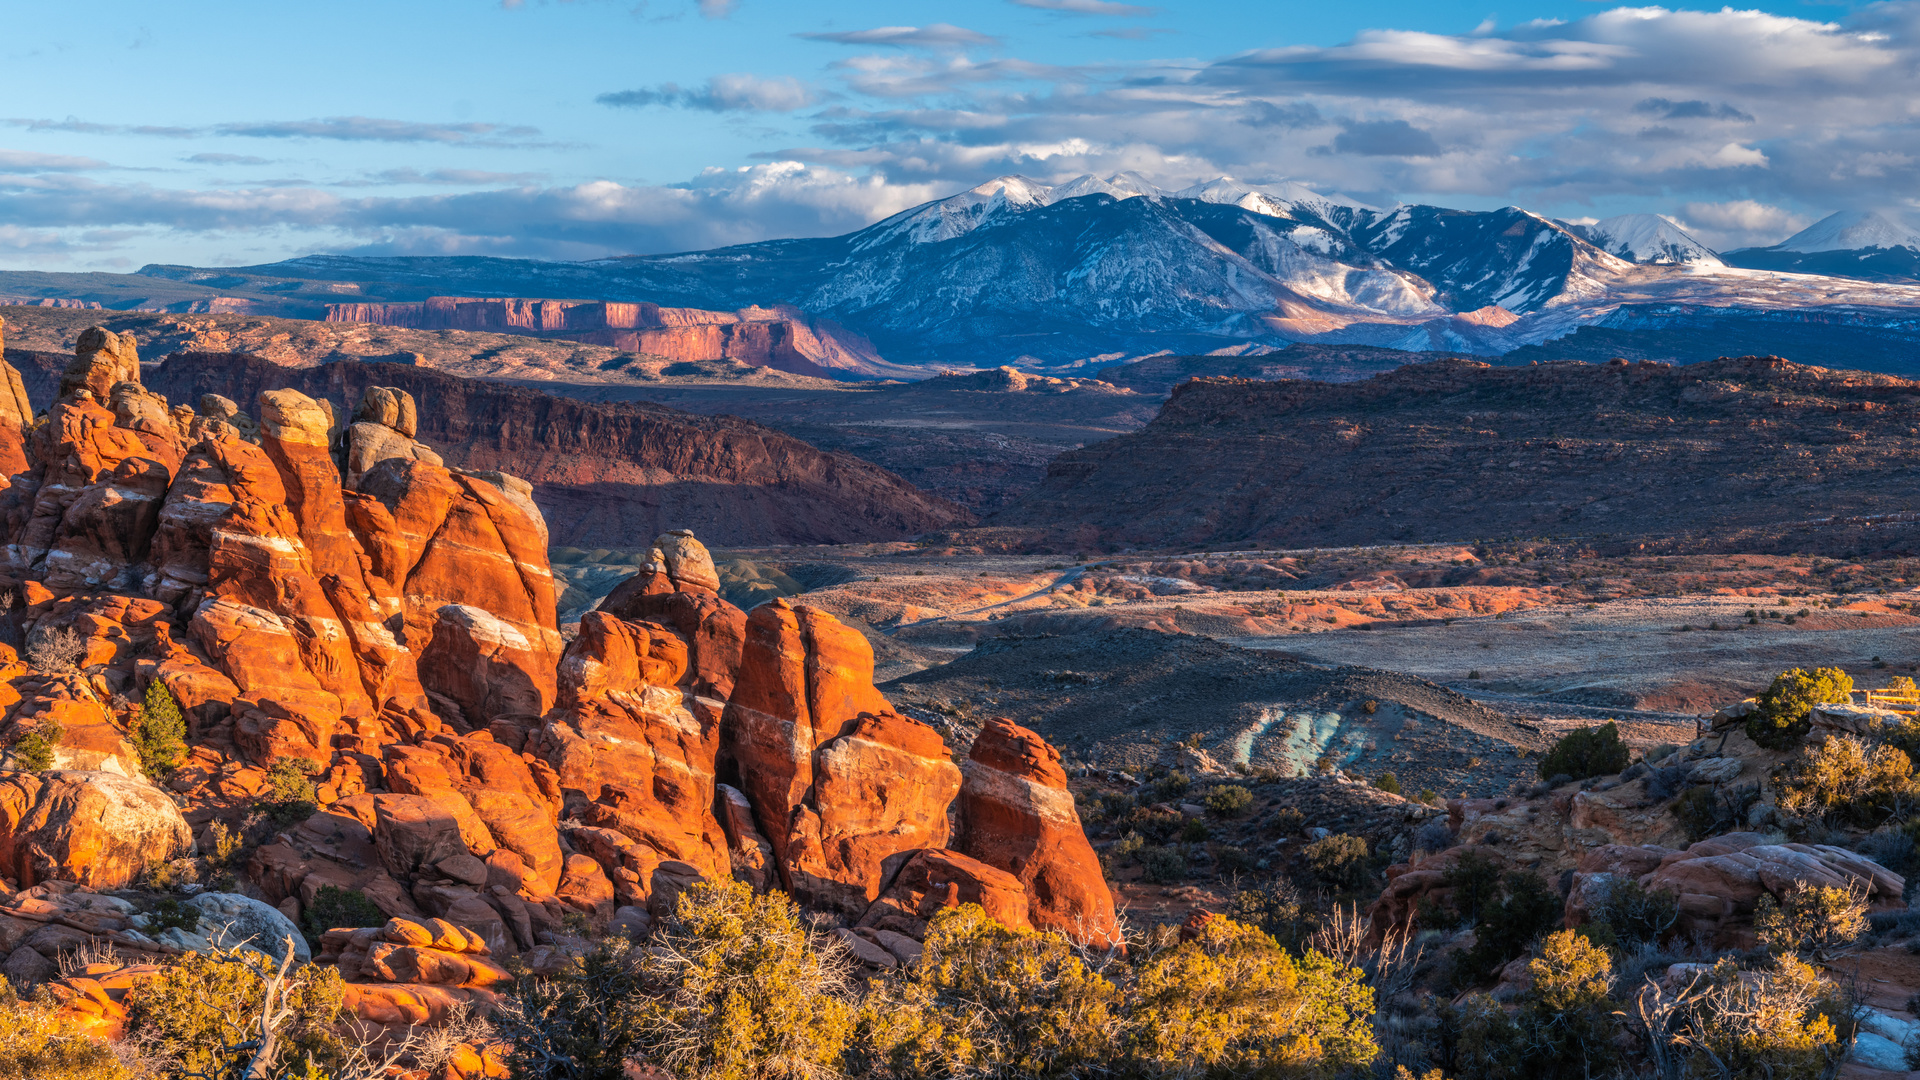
[
  {"x": 1740, "y": 223},
  {"x": 717, "y": 9},
  {"x": 723, "y": 93},
  {"x": 933, "y": 36}
]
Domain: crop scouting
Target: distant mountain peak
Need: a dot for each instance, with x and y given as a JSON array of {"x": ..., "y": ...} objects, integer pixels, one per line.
[
  {"x": 1648, "y": 238},
  {"x": 1850, "y": 230}
]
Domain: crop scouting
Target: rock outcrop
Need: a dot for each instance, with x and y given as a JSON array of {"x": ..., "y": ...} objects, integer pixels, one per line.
[
  {"x": 1018, "y": 816},
  {"x": 98, "y": 829},
  {"x": 604, "y": 474},
  {"x": 780, "y": 337},
  {"x": 332, "y": 600}
]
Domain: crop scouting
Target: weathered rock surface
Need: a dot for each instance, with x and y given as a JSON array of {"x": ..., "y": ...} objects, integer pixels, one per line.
[
  {"x": 96, "y": 828},
  {"x": 606, "y": 473},
  {"x": 1017, "y": 815}
]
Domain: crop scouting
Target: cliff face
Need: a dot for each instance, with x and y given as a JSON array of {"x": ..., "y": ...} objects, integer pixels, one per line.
[
  {"x": 779, "y": 337},
  {"x": 1747, "y": 454},
  {"x": 605, "y": 474}
]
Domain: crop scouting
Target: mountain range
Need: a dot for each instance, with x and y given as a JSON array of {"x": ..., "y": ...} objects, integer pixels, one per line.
[{"x": 1080, "y": 275}]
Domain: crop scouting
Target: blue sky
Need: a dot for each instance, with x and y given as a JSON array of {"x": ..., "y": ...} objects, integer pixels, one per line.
[{"x": 229, "y": 133}]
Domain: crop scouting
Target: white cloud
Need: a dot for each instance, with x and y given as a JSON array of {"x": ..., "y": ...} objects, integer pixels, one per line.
[
  {"x": 1740, "y": 223},
  {"x": 932, "y": 36},
  {"x": 723, "y": 93}
]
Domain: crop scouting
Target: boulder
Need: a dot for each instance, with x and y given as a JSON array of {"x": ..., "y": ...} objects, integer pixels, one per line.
[
  {"x": 230, "y": 920},
  {"x": 880, "y": 788},
  {"x": 920, "y": 883},
  {"x": 1017, "y": 815},
  {"x": 101, "y": 358},
  {"x": 97, "y": 829}
]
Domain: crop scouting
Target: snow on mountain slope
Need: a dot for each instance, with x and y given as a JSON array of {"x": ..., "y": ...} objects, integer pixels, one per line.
[
  {"x": 1850, "y": 230},
  {"x": 1647, "y": 238},
  {"x": 1050, "y": 276},
  {"x": 1274, "y": 200}
]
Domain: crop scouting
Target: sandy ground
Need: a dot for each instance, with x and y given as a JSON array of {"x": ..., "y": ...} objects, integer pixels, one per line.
[{"x": 1623, "y": 654}]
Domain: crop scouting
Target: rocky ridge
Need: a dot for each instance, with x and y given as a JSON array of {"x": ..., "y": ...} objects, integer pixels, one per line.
[
  {"x": 602, "y": 473},
  {"x": 1750, "y": 454},
  {"x": 780, "y": 337},
  {"x": 321, "y": 594}
]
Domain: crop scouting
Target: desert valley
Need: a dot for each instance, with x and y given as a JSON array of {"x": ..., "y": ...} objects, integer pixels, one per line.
[{"x": 855, "y": 616}]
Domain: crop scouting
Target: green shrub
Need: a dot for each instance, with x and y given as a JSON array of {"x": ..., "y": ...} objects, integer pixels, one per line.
[
  {"x": 1388, "y": 783},
  {"x": 1232, "y": 1002},
  {"x": 1586, "y": 752},
  {"x": 1526, "y": 909},
  {"x": 1786, "y": 1023},
  {"x": 739, "y": 984},
  {"x": 336, "y": 908},
  {"x": 1633, "y": 914},
  {"x": 1169, "y": 787},
  {"x": 161, "y": 734},
  {"x": 38, "y": 1041},
  {"x": 1339, "y": 860},
  {"x": 170, "y": 913},
  {"x": 1785, "y": 710},
  {"x": 988, "y": 1000},
  {"x": 1277, "y": 909},
  {"x": 1811, "y": 918},
  {"x": 33, "y": 752},
  {"x": 291, "y": 796},
  {"x": 201, "y": 1012},
  {"x": 1228, "y": 800},
  {"x": 1163, "y": 865},
  {"x": 1475, "y": 882},
  {"x": 1563, "y": 1027},
  {"x": 1196, "y": 832},
  {"x": 1844, "y": 781}
]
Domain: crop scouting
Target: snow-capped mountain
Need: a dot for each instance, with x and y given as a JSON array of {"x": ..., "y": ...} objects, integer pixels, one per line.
[
  {"x": 1850, "y": 230},
  {"x": 1851, "y": 243},
  {"x": 1647, "y": 238},
  {"x": 1049, "y": 277}
]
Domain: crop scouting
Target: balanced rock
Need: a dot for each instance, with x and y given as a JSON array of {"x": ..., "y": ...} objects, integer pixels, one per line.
[{"x": 101, "y": 358}]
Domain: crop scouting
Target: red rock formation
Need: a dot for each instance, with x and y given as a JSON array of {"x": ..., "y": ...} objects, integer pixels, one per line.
[
  {"x": 98, "y": 829},
  {"x": 605, "y": 474},
  {"x": 838, "y": 781},
  {"x": 921, "y": 883},
  {"x": 780, "y": 337},
  {"x": 1017, "y": 814},
  {"x": 397, "y": 633},
  {"x": 635, "y": 751}
]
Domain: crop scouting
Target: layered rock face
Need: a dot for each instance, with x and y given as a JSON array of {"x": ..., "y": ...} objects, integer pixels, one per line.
[
  {"x": 605, "y": 474},
  {"x": 780, "y": 337},
  {"x": 329, "y": 593}
]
